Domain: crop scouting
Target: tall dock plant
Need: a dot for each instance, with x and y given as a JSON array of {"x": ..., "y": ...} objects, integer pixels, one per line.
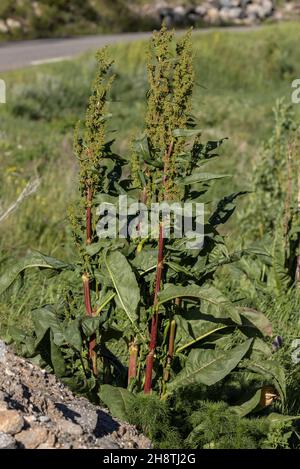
[
  {"x": 91, "y": 149},
  {"x": 144, "y": 313},
  {"x": 171, "y": 79}
]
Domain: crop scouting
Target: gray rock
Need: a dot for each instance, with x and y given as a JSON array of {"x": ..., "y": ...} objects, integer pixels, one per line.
[
  {"x": 65, "y": 426},
  {"x": 3, "y": 351},
  {"x": 235, "y": 13},
  {"x": 7, "y": 441}
]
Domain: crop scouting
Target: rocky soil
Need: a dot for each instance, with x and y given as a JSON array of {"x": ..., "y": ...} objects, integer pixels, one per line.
[
  {"x": 218, "y": 12},
  {"x": 39, "y": 412}
]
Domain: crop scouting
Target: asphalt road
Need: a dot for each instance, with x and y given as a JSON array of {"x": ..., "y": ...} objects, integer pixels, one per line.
[{"x": 14, "y": 55}]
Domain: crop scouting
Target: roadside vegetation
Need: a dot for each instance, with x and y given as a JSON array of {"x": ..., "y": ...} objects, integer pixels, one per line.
[{"x": 144, "y": 347}]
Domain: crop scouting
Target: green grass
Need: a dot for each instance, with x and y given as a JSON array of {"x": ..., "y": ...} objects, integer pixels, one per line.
[{"x": 239, "y": 76}]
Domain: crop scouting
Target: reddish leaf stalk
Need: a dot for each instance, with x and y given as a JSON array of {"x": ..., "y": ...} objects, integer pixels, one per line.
[
  {"x": 86, "y": 280},
  {"x": 170, "y": 351},
  {"x": 154, "y": 321},
  {"x": 89, "y": 312},
  {"x": 159, "y": 273},
  {"x": 133, "y": 356}
]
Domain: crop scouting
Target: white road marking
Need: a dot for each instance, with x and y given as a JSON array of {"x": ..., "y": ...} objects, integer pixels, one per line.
[{"x": 50, "y": 61}]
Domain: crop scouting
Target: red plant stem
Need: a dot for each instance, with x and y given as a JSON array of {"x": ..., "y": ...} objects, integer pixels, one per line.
[
  {"x": 89, "y": 312},
  {"x": 133, "y": 355},
  {"x": 154, "y": 321},
  {"x": 159, "y": 272},
  {"x": 87, "y": 294},
  {"x": 170, "y": 350},
  {"x": 86, "y": 280}
]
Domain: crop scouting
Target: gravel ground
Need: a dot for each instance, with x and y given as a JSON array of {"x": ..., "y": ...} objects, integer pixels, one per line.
[{"x": 39, "y": 412}]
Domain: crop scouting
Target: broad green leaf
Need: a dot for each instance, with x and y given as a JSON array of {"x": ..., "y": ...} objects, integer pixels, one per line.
[
  {"x": 145, "y": 260},
  {"x": 44, "y": 319},
  {"x": 57, "y": 358},
  {"x": 261, "y": 349},
  {"x": 214, "y": 302},
  {"x": 35, "y": 259},
  {"x": 258, "y": 319},
  {"x": 186, "y": 132},
  {"x": 125, "y": 285},
  {"x": 72, "y": 334},
  {"x": 278, "y": 418},
  {"x": 209, "y": 366},
  {"x": 116, "y": 399},
  {"x": 189, "y": 332},
  {"x": 201, "y": 177},
  {"x": 225, "y": 209},
  {"x": 269, "y": 369},
  {"x": 248, "y": 406},
  {"x": 91, "y": 324},
  {"x": 104, "y": 301}
]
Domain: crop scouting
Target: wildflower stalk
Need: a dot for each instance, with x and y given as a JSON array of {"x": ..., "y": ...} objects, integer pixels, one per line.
[
  {"x": 154, "y": 320},
  {"x": 90, "y": 149},
  {"x": 171, "y": 83}
]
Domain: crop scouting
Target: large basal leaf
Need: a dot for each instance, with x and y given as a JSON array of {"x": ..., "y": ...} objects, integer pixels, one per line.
[
  {"x": 72, "y": 334},
  {"x": 116, "y": 399},
  {"x": 189, "y": 332},
  {"x": 35, "y": 259},
  {"x": 57, "y": 358},
  {"x": 44, "y": 319},
  {"x": 271, "y": 370},
  {"x": 214, "y": 302},
  {"x": 248, "y": 406},
  {"x": 125, "y": 284},
  {"x": 258, "y": 320},
  {"x": 209, "y": 366}
]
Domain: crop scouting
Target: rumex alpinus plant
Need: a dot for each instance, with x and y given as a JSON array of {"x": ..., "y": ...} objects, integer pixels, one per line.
[
  {"x": 151, "y": 319},
  {"x": 272, "y": 217}
]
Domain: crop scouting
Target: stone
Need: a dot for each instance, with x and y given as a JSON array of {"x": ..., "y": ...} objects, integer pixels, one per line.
[
  {"x": 235, "y": 13},
  {"x": 213, "y": 15},
  {"x": 3, "y": 349},
  {"x": 3, "y": 27},
  {"x": 11, "y": 422},
  {"x": 13, "y": 24},
  {"x": 200, "y": 10},
  {"x": 65, "y": 426},
  {"x": 225, "y": 14},
  {"x": 44, "y": 419},
  {"x": 7, "y": 441},
  {"x": 49, "y": 443},
  {"x": 33, "y": 437},
  {"x": 30, "y": 419},
  {"x": 3, "y": 405}
]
